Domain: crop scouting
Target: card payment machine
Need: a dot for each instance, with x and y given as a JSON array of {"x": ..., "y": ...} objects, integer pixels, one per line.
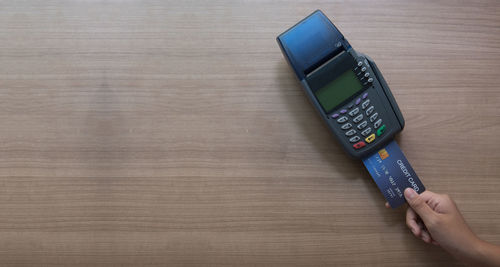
[{"x": 345, "y": 86}]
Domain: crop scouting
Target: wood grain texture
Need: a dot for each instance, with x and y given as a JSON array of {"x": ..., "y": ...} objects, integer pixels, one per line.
[{"x": 162, "y": 133}]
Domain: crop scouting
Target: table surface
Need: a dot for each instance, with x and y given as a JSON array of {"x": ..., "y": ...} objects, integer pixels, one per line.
[{"x": 174, "y": 133}]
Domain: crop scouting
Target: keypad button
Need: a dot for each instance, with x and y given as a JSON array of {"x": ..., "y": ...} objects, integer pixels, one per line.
[
  {"x": 370, "y": 138},
  {"x": 373, "y": 117},
  {"x": 359, "y": 145},
  {"x": 342, "y": 119},
  {"x": 363, "y": 69},
  {"x": 365, "y": 95},
  {"x": 365, "y": 104},
  {"x": 354, "y": 139},
  {"x": 359, "y": 63},
  {"x": 346, "y": 126},
  {"x": 358, "y": 100},
  {"x": 343, "y": 111},
  {"x": 370, "y": 80},
  {"x": 334, "y": 116},
  {"x": 367, "y": 131},
  {"x": 367, "y": 74},
  {"x": 381, "y": 130},
  {"x": 369, "y": 110},
  {"x": 358, "y": 118},
  {"x": 350, "y": 132},
  {"x": 377, "y": 123},
  {"x": 362, "y": 125},
  {"x": 354, "y": 112}
]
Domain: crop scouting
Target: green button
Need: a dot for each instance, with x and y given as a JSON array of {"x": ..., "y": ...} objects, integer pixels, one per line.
[{"x": 381, "y": 130}]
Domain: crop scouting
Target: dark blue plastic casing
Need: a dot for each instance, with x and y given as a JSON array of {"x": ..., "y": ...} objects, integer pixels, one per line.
[
  {"x": 318, "y": 53},
  {"x": 311, "y": 42}
]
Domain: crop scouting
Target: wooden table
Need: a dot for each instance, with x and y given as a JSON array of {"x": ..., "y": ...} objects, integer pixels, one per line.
[{"x": 162, "y": 133}]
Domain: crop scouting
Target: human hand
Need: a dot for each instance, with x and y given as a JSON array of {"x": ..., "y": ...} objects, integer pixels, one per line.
[{"x": 435, "y": 219}]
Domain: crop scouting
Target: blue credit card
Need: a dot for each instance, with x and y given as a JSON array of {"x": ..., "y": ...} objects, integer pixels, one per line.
[{"x": 393, "y": 173}]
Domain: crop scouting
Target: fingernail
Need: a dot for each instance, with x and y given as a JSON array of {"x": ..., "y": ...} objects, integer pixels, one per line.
[{"x": 410, "y": 193}]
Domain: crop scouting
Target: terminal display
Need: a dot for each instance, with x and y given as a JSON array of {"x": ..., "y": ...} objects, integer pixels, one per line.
[{"x": 338, "y": 90}]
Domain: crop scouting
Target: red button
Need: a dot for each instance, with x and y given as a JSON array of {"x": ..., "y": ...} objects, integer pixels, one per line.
[{"x": 359, "y": 145}]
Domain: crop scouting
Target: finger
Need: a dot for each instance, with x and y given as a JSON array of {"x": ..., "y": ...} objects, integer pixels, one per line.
[
  {"x": 434, "y": 242},
  {"x": 387, "y": 205},
  {"x": 425, "y": 234},
  {"x": 418, "y": 203},
  {"x": 429, "y": 195},
  {"x": 421, "y": 224},
  {"x": 411, "y": 222},
  {"x": 433, "y": 199},
  {"x": 426, "y": 237}
]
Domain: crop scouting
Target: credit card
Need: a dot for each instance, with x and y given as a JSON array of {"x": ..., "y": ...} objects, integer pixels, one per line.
[{"x": 392, "y": 173}]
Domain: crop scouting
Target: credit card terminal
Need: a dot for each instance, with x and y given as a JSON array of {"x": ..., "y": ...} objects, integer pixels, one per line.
[{"x": 345, "y": 86}]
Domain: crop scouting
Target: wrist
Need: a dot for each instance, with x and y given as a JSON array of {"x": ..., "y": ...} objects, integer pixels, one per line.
[
  {"x": 469, "y": 250},
  {"x": 480, "y": 253},
  {"x": 478, "y": 248},
  {"x": 489, "y": 254}
]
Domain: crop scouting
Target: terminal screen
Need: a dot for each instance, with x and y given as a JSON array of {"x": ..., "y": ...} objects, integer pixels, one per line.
[{"x": 338, "y": 90}]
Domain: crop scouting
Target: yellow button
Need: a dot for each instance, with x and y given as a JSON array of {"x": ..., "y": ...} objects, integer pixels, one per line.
[{"x": 370, "y": 138}]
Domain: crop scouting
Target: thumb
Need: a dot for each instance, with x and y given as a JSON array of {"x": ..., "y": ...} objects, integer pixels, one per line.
[{"x": 418, "y": 204}]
